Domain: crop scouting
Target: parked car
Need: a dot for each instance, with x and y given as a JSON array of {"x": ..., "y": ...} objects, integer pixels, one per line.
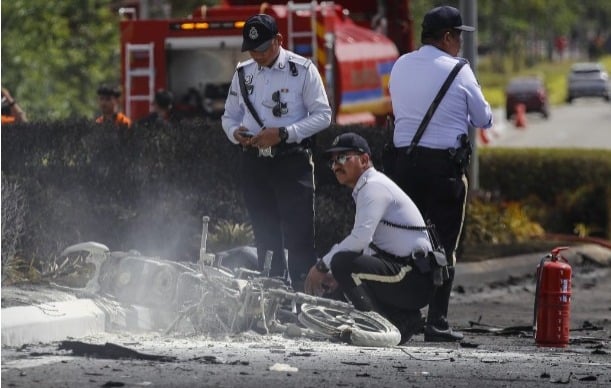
[
  {"x": 529, "y": 91},
  {"x": 588, "y": 79}
]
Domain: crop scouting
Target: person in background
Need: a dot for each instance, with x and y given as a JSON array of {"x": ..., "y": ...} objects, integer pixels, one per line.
[
  {"x": 108, "y": 102},
  {"x": 288, "y": 105},
  {"x": 375, "y": 265},
  {"x": 434, "y": 173},
  {"x": 162, "y": 107},
  {"x": 11, "y": 111}
]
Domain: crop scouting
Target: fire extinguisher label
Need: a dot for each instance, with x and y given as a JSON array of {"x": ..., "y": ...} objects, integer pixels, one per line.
[{"x": 564, "y": 287}]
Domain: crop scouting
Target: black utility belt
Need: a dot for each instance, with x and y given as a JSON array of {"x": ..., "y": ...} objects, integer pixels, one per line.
[
  {"x": 434, "y": 263},
  {"x": 430, "y": 152},
  {"x": 460, "y": 157},
  {"x": 276, "y": 152}
]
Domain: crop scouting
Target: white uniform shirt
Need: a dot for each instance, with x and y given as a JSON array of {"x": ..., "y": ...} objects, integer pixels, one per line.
[
  {"x": 307, "y": 105},
  {"x": 415, "y": 79},
  {"x": 378, "y": 198}
]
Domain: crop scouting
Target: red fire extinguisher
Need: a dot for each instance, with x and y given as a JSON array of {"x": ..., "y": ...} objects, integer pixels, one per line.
[{"x": 551, "y": 321}]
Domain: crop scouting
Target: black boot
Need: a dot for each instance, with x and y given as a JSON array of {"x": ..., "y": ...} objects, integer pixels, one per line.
[
  {"x": 437, "y": 328},
  {"x": 409, "y": 322}
]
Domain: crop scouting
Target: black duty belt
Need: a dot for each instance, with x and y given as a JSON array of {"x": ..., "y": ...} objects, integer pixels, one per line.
[
  {"x": 433, "y": 262},
  {"x": 280, "y": 151},
  {"x": 427, "y": 152},
  {"x": 381, "y": 253}
]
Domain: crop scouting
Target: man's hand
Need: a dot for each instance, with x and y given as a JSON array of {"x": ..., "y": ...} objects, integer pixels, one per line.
[
  {"x": 243, "y": 136},
  {"x": 268, "y": 137},
  {"x": 317, "y": 283}
]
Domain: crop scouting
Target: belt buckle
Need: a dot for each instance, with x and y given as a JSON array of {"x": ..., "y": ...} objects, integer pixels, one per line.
[{"x": 266, "y": 152}]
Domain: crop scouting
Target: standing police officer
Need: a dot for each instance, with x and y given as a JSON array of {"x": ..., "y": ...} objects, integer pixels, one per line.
[
  {"x": 276, "y": 103},
  {"x": 433, "y": 174}
]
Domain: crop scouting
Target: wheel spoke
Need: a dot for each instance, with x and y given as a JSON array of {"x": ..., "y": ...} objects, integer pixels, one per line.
[
  {"x": 324, "y": 314},
  {"x": 335, "y": 318}
]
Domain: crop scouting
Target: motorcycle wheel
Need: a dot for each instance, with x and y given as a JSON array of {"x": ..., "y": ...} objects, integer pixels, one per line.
[{"x": 355, "y": 327}]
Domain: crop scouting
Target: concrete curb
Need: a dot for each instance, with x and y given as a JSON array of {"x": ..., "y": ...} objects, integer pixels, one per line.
[
  {"x": 501, "y": 269},
  {"x": 496, "y": 270},
  {"x": 51, "y": 322},
  {"x": 77, "y": 318}
]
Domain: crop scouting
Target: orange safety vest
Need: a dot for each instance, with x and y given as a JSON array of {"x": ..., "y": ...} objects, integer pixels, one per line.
[
  {"x": 120, "y": 120},
  {"x": 8, "y": 119}
]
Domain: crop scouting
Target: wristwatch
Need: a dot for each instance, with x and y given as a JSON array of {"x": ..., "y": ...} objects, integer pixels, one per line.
[
  {"x": 283, "y": 134},
  {"x": 321, "y": 266}
]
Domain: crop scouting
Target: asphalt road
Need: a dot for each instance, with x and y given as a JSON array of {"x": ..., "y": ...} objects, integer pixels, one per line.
[
  {"x": 483, "y": 359},
  {"x": 586, "y": 123}
]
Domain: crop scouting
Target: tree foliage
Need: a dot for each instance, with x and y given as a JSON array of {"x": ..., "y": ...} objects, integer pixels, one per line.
[{"x": 55, "y": 53}]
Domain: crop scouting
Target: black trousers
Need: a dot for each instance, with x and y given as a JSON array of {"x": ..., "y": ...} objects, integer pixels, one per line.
[
  {"x": 439, "y": 188},
  {"x": 393, "y": 286},
  {"x": 279, "y": 196}
]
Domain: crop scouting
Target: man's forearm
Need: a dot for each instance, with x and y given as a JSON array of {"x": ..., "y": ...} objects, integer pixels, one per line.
[{"x": 18, "y": 113}]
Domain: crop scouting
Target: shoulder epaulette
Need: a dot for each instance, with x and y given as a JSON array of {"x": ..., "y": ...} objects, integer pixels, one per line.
[
  {"x": 245, "y": 63},
  {"x": 299, "y": 60}
]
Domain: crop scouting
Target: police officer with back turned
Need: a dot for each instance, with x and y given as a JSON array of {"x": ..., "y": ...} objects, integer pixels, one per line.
[{"x": 432, "y": 172}]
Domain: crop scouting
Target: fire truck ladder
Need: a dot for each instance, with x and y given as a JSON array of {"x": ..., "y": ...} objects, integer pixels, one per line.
[
  {"x": 143, "y": 51},
  {"x": 294, "y": 8}
]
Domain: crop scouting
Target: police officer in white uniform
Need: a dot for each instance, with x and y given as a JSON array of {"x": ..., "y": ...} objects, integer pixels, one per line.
[
  {"x": 373, "y": 265},
  {"x": 288, "y": 105},
  {"x": 433, "y": 175}
]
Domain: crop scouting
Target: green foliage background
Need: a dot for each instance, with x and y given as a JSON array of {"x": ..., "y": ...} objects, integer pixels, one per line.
[{"x": 56, "y": 53}]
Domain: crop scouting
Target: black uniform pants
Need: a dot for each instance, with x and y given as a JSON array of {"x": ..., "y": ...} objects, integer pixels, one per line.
[
  {"x": 439, "y": 188},
  {"x": 279, "y": 196},
  {"x": 393, "y": 286}
]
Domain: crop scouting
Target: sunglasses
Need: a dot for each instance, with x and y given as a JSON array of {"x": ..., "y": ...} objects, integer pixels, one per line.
[
  {"x": 341, "y": 160},
  {"x": 281, "y": 107}
]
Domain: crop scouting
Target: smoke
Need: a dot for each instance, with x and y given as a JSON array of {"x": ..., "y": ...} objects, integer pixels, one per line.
[{"x": 162, "y": 223}]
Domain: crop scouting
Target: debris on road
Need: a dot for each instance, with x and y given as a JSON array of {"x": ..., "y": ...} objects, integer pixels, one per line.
[{"x": 109, "y": 351}]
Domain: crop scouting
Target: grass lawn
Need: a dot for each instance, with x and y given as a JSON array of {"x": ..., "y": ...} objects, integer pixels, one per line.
[{"x": 554, "y": 75}]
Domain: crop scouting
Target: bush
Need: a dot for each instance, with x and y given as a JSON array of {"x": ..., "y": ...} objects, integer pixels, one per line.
[
  {"x": 560, "y": 188},
  {"x": 13, "y": 219},
  {"x": 83, "y": 182}
]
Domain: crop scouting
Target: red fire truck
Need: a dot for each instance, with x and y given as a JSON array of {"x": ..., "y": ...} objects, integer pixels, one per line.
[{"x": 195, "y": 57}]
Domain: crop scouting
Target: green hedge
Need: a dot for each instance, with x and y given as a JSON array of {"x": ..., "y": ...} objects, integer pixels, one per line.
[
  {"x": 560, "y": 188},
  {"x": 83, "y": 182}
]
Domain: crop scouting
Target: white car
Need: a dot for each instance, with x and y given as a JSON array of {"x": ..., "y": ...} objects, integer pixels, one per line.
[{"x": 588, "y": 79}]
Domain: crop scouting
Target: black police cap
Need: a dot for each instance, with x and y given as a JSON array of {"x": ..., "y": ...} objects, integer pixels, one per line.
[{"x": 258, "y": 32}]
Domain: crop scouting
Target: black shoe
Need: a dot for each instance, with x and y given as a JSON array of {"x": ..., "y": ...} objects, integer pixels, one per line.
[
  {"x": 408, "y": 322},
  {"x": 437, "y": 334}
]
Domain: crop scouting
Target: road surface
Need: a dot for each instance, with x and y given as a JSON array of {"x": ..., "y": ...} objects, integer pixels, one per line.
[
  {"x": 483, "y": 359},
  {"x": 586, "y": 123}
]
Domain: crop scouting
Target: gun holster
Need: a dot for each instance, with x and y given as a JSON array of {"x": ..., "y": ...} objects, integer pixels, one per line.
[
  {"x": 440, "y": 267},
  {"x": 461, "y": 156}
]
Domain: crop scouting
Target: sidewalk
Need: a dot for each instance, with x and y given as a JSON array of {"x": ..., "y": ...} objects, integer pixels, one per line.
[{"x": 57, "y": 316}]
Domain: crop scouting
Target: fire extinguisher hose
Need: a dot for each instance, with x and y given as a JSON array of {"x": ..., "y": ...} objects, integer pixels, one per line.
[{"x": 540, "y": 275}]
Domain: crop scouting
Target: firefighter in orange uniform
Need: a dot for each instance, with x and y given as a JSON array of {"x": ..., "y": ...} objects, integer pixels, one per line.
[{"x": 108, "y": 102}]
